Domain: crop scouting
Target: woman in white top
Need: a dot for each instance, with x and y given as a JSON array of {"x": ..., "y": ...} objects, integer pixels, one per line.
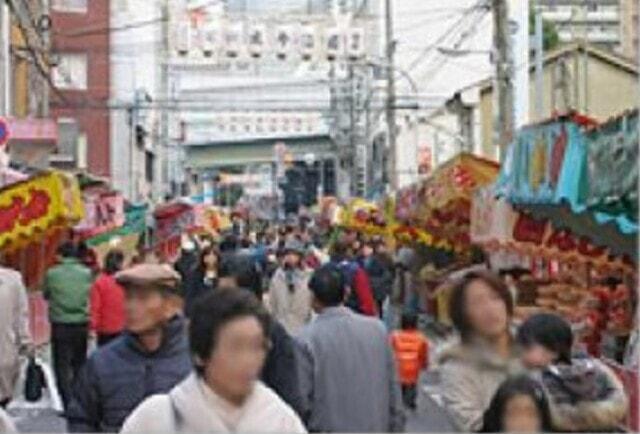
[{"x": 228, "y": 338}]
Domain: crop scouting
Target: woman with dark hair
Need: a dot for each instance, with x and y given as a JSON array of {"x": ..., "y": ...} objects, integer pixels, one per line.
[
  {"x": 203, "y": 277},
  {"x": 519, "y": 406},
  {"x": 481, "y": 309},
  {"x": 585, "y": 395},
  {"x": 229, "y": 343},
  {"x": 107, "y": 317}
]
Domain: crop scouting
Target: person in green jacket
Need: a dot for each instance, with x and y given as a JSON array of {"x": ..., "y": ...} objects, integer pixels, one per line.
[{"x": 66, "y": 288}]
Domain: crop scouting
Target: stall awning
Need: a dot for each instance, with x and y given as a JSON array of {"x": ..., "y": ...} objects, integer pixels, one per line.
[{"x": 556, "y": 171}]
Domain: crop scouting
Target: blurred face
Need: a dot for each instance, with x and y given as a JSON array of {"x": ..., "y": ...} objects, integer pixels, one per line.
[
  {"x": 237, "y": 359},
  {"x": 292, "y": 259},
  {"x": 147, "y": 310},
  {"x": 521, "y": 415},
  {"x": 536, "y": 356},
  {"x": 211, "y": 260},
  {"x": 367, "y": 250},
  {"x": 486, "y": 311}
]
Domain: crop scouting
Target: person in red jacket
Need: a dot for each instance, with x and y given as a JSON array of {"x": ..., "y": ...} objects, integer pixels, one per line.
[
  {"x": 411, "y": 349},
  {"x": 107, "y": 314},
  {"x": 360, "y": 295}
]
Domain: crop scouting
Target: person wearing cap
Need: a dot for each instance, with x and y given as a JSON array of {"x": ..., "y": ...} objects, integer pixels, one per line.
[
  {"x": 346, "y": 366},
  {"x": 150, "y": 357},
  {"x": 289, "y": 295}
]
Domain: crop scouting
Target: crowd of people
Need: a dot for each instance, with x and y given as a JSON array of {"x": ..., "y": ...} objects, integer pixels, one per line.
[{"x": 283, "y": 331}]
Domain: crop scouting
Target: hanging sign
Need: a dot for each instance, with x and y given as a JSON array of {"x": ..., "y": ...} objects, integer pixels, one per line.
[
  {"x": 334, "y": 43},
  {"x": 257, "y": 40},
  {"x": 355, "y": 43}
]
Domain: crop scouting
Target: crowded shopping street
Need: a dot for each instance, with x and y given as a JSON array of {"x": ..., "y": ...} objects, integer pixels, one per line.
[{"x": 339, "y": 216}]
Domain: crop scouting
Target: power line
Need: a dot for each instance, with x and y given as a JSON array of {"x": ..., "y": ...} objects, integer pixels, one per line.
[{"x": 420, "y": 58}]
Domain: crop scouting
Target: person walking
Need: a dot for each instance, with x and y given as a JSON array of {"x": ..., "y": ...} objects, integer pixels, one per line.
[
  {"x": 203, "y": 277},
  {"x": 359, "y": 295},
  {"x": 481, "y": 309},
  {"x": 229, "y": 340},
  {"x": 107, "y": 301},
  {"x": 66, "y": 288},
  {"x": 411, "y": 349},
  {"x": 15, "y": 338},
  {"x": 347, "y": 370},
  {"x": 151, "y": 356},
  {"x": 289, "y": 295},
  {"x": 584, "y": 394},
  {"x": 280, "y": 368},
  {"x": 378, "y": 267}
]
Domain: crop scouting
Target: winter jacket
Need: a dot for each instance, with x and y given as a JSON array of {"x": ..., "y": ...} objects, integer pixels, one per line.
[
  {"x": 411, "y": 349},
  {"x": 193, "y": 407},
  {"x": 291, "y": 308},
  {"x": 66, "y": 288},
  {"x": 360, "y": 298},
  {"x": 280, "y": 371},
  {"x": 106, "y": 305},
  {"x": 120, "y": 375},
  {"x": 470, "y": 377},
  {"x": 194, "y": 285},
  {"x": 584, "y": 396},
  {"x": 348, "y": 376},
  {"x": 14, "y": 329}
]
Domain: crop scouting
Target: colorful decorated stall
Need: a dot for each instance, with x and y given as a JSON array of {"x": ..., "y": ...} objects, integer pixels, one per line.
[{"x": 172, "y": 220}]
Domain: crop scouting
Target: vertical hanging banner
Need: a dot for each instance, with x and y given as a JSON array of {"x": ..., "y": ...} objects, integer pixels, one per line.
[
  {"x": 233, "y": 39},
  {"x": 307, "y": 42},
  {"x": 334, "y": 43},
  {"x": 355, "y": 43},
  {"x": 284, "y": 41},
  {"x": 257, "y": 40},
  {"x": 182, "y": 37}
]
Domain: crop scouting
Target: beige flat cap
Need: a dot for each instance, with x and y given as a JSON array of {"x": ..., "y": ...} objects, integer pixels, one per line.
[{"x": 162, "y": 277}]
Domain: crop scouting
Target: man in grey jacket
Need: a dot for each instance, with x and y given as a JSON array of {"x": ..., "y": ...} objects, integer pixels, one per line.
[{"x": 347, "y": 372}]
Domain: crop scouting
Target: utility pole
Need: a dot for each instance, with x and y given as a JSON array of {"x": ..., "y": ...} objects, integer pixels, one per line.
[
  {"x": 539, "y": 42},
  {"x": 162, "y": 148},
  {"x": 5, "y": 66},
  {"x": 392, "y": 170},
  {"x": 504, "y": 75}
]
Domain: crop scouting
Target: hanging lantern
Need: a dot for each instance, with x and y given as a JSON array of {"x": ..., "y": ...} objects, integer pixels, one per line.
[
  {"x": 334, "y": 43},
  {"x": 284, "y": 41},
  {"x": 307, "y": 42},
  {"x": 355, "y": 43},
  {"x": 257, "y": 39}
]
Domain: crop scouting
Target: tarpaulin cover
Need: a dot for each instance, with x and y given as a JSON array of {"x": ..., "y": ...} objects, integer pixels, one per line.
[
  {"x": 612, "y": 154},
  {"x": 547, "y": 169}
]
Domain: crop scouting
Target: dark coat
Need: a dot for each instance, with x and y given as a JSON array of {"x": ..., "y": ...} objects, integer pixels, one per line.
[
  {"x": 119, "y": 376},
  {"x": 194, "y": 286},
  {"x": 381, "y": 276},
  {"x": 280, "y": 371}
]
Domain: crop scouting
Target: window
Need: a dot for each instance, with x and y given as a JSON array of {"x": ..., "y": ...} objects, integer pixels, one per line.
[
  {"x": 71, "y": 72},
  {"x": 74, "y": 6}
]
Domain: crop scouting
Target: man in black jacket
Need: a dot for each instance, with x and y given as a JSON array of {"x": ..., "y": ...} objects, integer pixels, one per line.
[
  {"x": 151, "y": 357},
  {"x": 280, "y": 370}
]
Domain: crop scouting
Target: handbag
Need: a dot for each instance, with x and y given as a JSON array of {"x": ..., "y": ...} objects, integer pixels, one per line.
[{"x": 34, "y": 381}]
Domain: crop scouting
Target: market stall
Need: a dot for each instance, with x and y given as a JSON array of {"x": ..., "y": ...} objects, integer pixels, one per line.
[{"x": 172, "y": 220}]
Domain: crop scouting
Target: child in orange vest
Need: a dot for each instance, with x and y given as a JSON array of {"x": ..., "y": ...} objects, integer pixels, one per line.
[{"x": 411, "y": 350}]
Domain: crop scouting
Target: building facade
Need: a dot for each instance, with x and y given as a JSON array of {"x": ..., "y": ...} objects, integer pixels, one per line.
[
  {"x": 575, "y": 77},
  {"x": 81, "y": 47},
  {"x": 630, "y": 29},
  {"x": 597, "y": 22},
  {"x": 246, "y": 76}
]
